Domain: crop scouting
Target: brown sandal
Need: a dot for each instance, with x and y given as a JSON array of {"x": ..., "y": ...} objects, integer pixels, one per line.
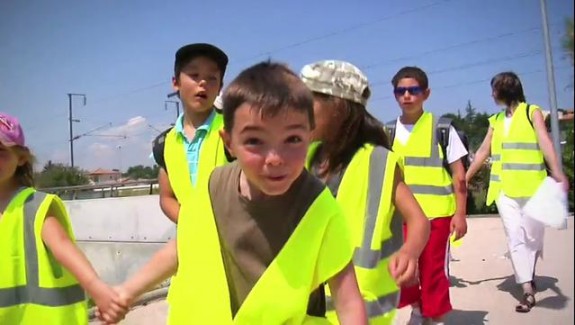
[{"x": 526, "y": 304}]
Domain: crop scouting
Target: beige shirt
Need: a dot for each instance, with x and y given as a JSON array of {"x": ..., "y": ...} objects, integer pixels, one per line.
[{"x": 252, "y": 233}]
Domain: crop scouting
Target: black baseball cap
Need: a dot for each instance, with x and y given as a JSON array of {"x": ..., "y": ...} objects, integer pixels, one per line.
[{"x": 190, "y": 51}]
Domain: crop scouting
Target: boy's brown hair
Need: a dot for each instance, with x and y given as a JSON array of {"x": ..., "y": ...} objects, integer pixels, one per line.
[
  {"x": 411, "y": 72},
  {"x": 270, "y": 88}
]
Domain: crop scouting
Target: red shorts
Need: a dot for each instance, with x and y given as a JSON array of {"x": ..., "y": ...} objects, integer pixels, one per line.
[{"x": 432, "y": 291}]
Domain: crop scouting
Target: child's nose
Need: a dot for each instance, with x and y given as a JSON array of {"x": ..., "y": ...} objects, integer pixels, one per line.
[{"x": 273, "y": 158}]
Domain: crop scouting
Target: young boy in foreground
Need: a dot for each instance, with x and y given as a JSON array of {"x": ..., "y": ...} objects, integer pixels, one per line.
[{"x": 272, "y": 234}]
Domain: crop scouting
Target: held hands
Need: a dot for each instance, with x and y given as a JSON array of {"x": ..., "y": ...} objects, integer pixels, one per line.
[
  {"x": 403, "y": 268},
  {"x": 111, "y": 305},
  {"x": 458, "y": 226}
]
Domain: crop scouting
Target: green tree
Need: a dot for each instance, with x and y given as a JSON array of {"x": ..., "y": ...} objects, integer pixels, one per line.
[
  {"x": 475, "y": 124},
  {"x": 142, "y": 172},
  {"x": 58, "y": 175}
]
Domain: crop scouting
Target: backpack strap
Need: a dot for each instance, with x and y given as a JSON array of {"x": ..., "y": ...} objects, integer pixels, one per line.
[
  {"x": 158, "y": 146},
  {"x": 390, "y": 129},
  {"x": 442, "y": 129}
]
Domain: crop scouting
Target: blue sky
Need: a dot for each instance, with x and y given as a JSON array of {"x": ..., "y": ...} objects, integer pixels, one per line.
[{"x": 120, "y": 54}]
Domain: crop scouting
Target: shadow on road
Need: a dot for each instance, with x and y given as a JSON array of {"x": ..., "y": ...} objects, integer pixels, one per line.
[
  {"x": 462, "y": 283},
  {"x": 543, "y": 283},
  {"x": 467, "y": 317}
]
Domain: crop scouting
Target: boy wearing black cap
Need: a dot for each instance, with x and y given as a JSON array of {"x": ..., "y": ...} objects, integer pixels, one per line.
[{"x": 188, "y": 152}]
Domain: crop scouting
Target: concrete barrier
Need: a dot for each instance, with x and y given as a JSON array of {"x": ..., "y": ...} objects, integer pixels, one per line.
[{"x": 118, "y": 235}]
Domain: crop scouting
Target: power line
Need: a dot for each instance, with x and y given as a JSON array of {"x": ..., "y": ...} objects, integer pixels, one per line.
[
  {"x": 475, "y": 64},
  {"x": 451, "y": 47},
  {"x": 473, "y": 82},
  {"x": 130, "y": 92},
  {"x": 294, "y": 45},
  {"x": 344, "y": 30},
  {"x": 349, "y": 29}
]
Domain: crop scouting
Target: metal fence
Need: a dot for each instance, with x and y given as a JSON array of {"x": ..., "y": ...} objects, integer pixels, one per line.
[{"x": 96, "y": 191}]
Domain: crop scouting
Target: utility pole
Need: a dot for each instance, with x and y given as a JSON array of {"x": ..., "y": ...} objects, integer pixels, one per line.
[
  {"x": 71, "y": 120},
  {"x": 173, "y": 102},
  {"x": 551, "y": 85},
  {"x": 120, "y": 152}
]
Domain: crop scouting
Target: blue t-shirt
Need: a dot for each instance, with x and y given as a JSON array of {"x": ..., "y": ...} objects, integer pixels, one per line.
[{"x": 192, "y": 146}]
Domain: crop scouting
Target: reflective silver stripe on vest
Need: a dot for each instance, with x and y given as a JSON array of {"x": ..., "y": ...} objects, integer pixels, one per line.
[
  {"x": 32, "y": 293},
  {"x": 364, "y": 256},
  {"x": 431, "y": 189},
  {"x": 520, "y": 146},
  {"x": 517, "y": 166},
  {"x": 374, "y": 308},
  {"x": 494, "y": 178},
  {"x": 423, "y": 162},
  {"x": 495, "y": 157},
  {"x": 368, "y": 258}
]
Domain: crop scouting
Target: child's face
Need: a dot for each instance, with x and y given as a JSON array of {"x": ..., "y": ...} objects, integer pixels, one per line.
[
  {"x": 9, "y": 161},
  {"x": 272, "y": 150},
  {"x": 199, "y": 83},
  {"x": 410, "y": 96}
]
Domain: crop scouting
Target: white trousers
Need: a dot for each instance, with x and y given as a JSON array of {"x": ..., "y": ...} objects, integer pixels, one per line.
[{"x": 524, "y": 238}]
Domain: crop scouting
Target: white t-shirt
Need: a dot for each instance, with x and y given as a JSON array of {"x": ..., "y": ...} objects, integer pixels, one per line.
[
  {"x": 455, "y": 148},
  {"x": 507, "y": 124}
]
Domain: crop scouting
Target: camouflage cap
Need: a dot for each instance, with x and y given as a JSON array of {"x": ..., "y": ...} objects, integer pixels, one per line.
[{"x": 336, "y": 78}]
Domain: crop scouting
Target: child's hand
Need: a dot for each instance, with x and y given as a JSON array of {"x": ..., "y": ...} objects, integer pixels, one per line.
[
  {"x": 403, "y": 268},
  {"x": 561, "y": 178},
  {"x": 458, "y": 226},
  {"x": 111, "y": 308},
  {"x": 124, "y": 297}
]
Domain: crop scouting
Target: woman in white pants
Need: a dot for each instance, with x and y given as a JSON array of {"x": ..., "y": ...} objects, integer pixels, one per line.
[{"x": 520, "y": 149}]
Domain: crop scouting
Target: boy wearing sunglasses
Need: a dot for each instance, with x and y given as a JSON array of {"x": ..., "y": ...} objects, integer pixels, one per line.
[{"x": 440, "y": 190}]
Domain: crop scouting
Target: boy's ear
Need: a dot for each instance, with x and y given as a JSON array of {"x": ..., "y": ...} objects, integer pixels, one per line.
[
  {"x": 175, "y": 83},
  {"x": 227, "y": 141},
  {"x": 426, "y": 93}
]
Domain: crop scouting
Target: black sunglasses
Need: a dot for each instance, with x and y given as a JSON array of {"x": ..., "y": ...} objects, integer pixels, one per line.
[{"x": 415, "y": 90}]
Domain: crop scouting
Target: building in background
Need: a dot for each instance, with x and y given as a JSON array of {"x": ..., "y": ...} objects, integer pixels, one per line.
[{"x": 102, "y": 176}]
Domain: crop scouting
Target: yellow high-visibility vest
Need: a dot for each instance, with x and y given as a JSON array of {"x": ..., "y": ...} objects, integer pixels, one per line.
[
  {"x": 365, "y": 196},
  {"x": 317, "y": 250},
  {"x": 424, "y": 171},
  {"x": 522, "y": 165},
  {"x": 211, "y": 155},
  {"x": 495, "y": 159},
  {"x": 34, "y": 287}
]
